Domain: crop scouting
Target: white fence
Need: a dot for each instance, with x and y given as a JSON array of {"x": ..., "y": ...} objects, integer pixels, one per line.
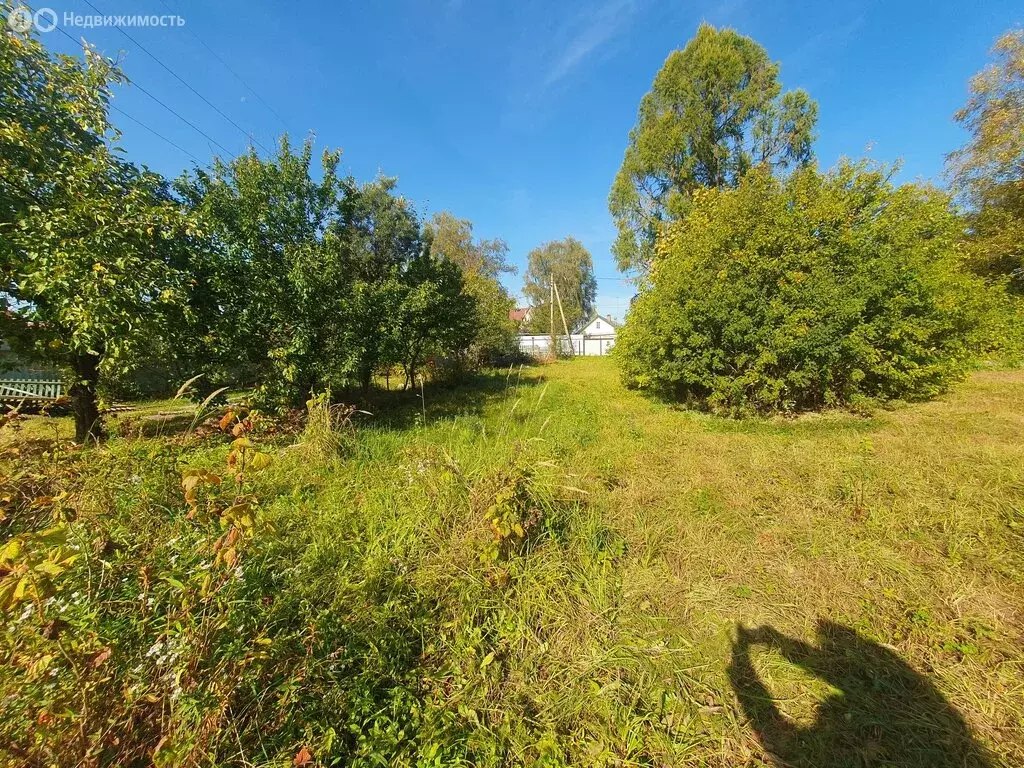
[
  {"x": 29, "y": 389},
  {"x": 576, "y": 344}
]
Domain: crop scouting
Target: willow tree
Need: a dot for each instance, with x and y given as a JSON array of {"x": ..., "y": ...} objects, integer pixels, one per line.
[
  {"x": 716, "y": 109},
  {"x": 567, "y": 264}
]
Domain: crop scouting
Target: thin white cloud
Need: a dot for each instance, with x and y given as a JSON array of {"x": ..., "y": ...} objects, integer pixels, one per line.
[
  {"x": 593, "y": 30},
  {"x": 726, "y": 10},
  {"x": 810, "y": 60}
]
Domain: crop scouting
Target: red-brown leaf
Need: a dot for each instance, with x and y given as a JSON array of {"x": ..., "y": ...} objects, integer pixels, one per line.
[{"x": 100, "y": 657}]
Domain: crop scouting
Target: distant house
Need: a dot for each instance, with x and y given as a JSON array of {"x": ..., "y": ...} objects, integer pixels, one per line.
[
  {"x": 594, "y": 337},
  {"x": 598, "y": 335},
  {"x": 521, "y": 316}
]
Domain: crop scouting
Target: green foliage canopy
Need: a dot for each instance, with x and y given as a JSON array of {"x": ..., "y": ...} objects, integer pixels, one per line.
[
  {"x": 271, "y": 262},
  {"x": 320, "y": 284},
  {"x": 819, "y": 290},
  {"x": 482, "y": 263},
  {"x": 92, "y": 248},
  {"x": 988, "y": 173},
  {"x": 568, "y": 263},
  {"x": 437, "y": 317},
  {"x": 714, "y": 111}
]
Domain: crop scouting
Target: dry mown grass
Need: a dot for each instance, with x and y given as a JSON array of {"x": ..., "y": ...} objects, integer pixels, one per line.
[{"x": 905, "y": 526}]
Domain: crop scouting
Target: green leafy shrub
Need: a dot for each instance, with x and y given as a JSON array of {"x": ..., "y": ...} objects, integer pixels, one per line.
[
  {"x": 514, "y": 505},
  {"x": 819, "y": 290},
  {"x": 1003, "y": 342}
]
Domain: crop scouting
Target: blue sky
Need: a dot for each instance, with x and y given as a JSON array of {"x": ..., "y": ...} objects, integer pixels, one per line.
[{"x": 515, "y": 115}]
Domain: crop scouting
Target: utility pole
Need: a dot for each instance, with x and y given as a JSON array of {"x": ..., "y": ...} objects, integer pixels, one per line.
[
  {"x": 551, "y": 306},
  {"x": 565, "y": 325}
]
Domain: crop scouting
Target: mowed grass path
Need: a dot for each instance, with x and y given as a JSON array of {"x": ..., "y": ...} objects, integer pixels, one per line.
[{"x": 906, "y": 528}]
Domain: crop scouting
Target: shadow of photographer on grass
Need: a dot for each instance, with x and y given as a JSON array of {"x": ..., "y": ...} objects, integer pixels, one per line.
[{"x": 886, "y": 714}]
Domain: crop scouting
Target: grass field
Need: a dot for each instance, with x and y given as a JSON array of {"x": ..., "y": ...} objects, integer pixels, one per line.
[{"x": 541, "y": 568}]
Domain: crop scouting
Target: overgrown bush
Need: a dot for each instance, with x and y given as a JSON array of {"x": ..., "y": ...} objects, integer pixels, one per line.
[
  {"x": 222, "y": 599},
  {"x": 167, "y": 609},
  {"x": 1003, "y": 342},
  {"x": 819, "y": 290}
]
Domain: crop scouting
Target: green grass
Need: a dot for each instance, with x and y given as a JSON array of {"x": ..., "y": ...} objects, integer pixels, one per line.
[{"x": 547, "y": 569}]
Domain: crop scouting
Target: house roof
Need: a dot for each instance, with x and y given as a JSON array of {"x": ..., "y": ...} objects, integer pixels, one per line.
[
  {"x": 518, "y": 314},
  {"x": 596, "y": 316}
]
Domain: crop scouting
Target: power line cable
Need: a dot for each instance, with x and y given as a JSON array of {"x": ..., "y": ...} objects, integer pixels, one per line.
[
  {"x": 227, "y": 66},
  {"x": 155, "y": 133},
  {"x": 181, "y": 80},
  {"x": 185, "y": 120}
]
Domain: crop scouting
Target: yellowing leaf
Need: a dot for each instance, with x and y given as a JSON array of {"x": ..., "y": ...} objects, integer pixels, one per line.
[
  {"x": 11, "y": 551},
  {"x": 20, "y": 589},
  {"x": 260, "y": 461}
]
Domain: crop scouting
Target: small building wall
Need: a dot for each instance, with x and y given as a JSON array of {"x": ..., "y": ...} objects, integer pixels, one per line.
[
  {"x": 598, "y": 345},
  {"x": 598, "y": 326}
]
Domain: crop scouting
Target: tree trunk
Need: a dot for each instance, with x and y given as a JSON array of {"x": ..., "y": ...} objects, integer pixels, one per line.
[
  {"x": 366, "y": 380},
  {"x": 410, "y": 367},
  {"x": 83, "y": 398},
  {"x": 410, "y": 373}
]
